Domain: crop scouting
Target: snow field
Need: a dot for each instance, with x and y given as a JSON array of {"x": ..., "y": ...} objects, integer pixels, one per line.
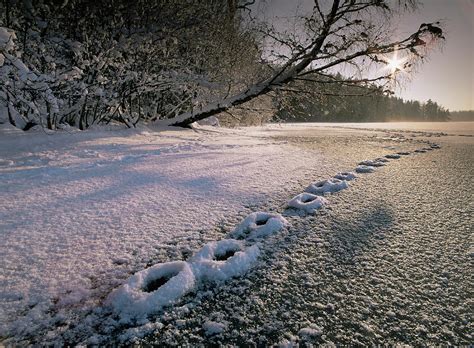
[
  {"x": 150, "y": 290},
  {"x": 161, "y": 285}
]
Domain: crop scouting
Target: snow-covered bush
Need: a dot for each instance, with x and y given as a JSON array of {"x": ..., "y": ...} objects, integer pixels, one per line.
[
  {"x": 26, "y": 98},
  {"x": 82, "y": 63}
]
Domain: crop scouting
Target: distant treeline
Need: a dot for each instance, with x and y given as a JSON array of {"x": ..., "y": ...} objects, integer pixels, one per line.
[
  {"x": 348, "y": 103},
  {"x": 467, "y": 115}
]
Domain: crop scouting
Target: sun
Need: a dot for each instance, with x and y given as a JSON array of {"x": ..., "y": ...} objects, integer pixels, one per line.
[{"x": 395, "y": 63}]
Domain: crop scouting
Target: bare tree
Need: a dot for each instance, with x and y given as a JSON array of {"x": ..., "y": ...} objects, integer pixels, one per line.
[{"x": 349, "y": 34}]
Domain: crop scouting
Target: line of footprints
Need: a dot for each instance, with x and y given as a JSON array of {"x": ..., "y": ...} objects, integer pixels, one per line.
[{"x": 161, "y": 285}]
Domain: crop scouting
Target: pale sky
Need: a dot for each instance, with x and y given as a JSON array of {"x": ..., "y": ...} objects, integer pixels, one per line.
[{"x": 448, "y": 75}]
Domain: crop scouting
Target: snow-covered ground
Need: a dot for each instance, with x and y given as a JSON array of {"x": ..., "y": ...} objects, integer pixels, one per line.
[{"x": 81, "y": 212}]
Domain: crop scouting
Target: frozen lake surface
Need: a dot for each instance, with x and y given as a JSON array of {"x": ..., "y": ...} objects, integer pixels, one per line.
[
  {"x": 465, "y": 128},
  {"x": 386, "y": 260}
]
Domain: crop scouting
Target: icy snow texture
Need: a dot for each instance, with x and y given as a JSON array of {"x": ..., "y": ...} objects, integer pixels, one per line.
[
  {"x": 327, "y": 186},
  {"x": 307, "y": 202},
  {"x": 133, "y": 299},
  {"x": 207, "y": 265},
  {"x": 346, "y": 176},
  {"x": 259, "y": 225},
  {"x": 364, "y": 169},
  {"x": 213, "y": 328}
]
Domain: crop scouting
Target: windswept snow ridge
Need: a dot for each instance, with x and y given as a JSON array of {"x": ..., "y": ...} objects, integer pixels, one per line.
[
  {"x": 327, "y": 186},
  {"x": 259, "y": 225},
  {"x": 307, "y": 202}
]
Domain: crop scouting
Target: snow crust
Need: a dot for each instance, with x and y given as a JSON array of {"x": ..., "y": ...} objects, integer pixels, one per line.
[
  {"x": 259, "y": 225},
  {"x": 307, "y": 202},
  {"x": 133, "y": 300},
  {"x": 327, "y": 186}
]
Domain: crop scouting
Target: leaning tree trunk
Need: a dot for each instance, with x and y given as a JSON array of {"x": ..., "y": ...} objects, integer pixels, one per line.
[
  {"x": 296, "y": 66},
  {"x": 286, "y": 74}
]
